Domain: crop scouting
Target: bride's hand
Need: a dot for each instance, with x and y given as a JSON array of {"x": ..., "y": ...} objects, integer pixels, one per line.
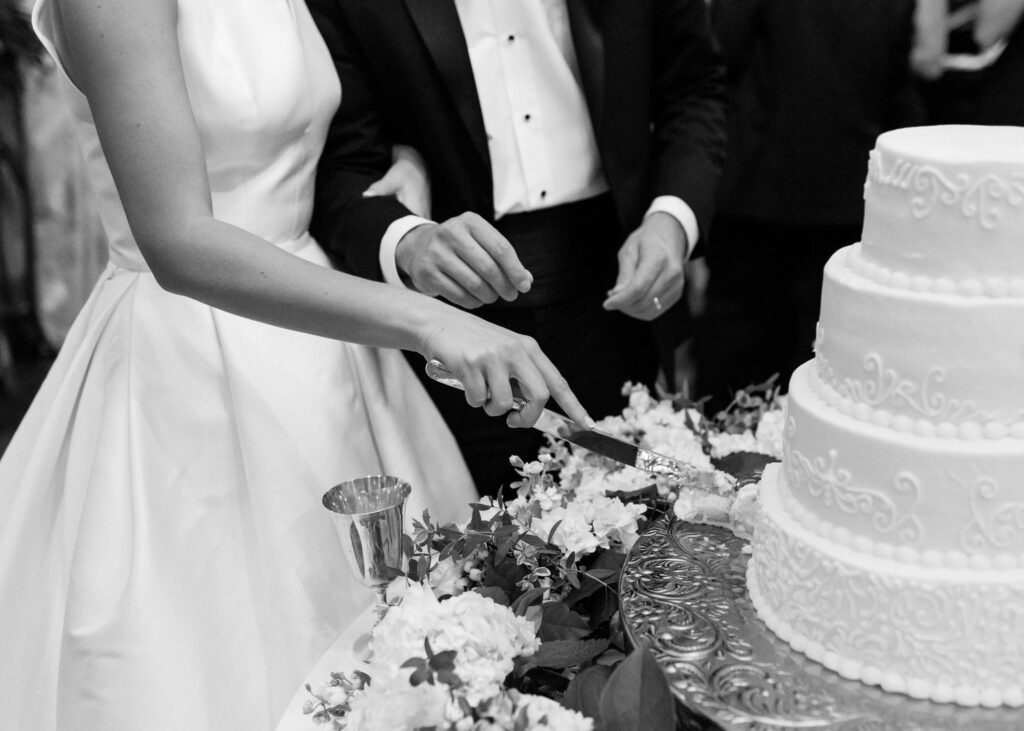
[
  {"x": 486, "y": 358},
  {"x": 407, "y": 180}
]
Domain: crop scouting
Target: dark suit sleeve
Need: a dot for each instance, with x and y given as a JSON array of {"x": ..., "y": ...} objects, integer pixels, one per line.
[
  {"x": 904, "y": 106},
  {"x": 356, "y": 154},
  {"x": 735, "y": 25},
  {"x": 688, "y": 107}
]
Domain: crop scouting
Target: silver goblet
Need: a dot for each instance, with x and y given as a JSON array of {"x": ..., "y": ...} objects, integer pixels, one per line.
[{"x": 369, "y": 515}]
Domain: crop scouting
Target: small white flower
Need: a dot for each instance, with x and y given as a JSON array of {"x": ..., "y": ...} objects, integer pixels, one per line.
[
  {"x": 544, "y": 713},
  {"x": 445, "y": 576}
]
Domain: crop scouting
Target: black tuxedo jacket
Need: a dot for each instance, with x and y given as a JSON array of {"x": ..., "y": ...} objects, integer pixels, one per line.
[
  {"x": 650, "y": 72},
  {"x": 812, "y": 84}
]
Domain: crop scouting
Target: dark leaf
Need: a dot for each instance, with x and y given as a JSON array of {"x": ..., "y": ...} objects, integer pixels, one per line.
[
  {"x": 558, "y": 622},
  {"x": 587, "y": 588},
  {"x": 506, "y": 576},
  {"x": 494, "y": 593},
  {"x": 746, "y": 467},
  {"x": 601, "y": 605},
  {"x": 504, "y": 532},
  {"x": 420, "y": 676},
  {"x": 650, "y": 491},
  {"x": 551, "y": 533},
  {"x": 443, "y": 660},
  {"x": 572, "y": 577},
  {"x": 452, "y": 534},
  {"x": 533, "y": 540},
  {"x": 476, "y": 522},
  {"x": 637, "y": 695},
  {"x": 445, "y": 552},
  {"x": 606, "y": 575},
  {"x": 584, "y": 691},
  {"x": 604, "y": 563},
  {"x": 505, "y": 547},
  {"x": 567, "y": 653},
  {"x": 520, "y": 605},
  {"x": 448, "y": 677}
]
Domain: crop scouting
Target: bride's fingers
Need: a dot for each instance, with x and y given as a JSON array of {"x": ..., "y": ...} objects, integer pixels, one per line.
[
  {"x": 559, "y": 389},
  {"x": 500, "y": 388},
  {"x": 534, "y": 392},
  {"x": 475, "y": 385}
]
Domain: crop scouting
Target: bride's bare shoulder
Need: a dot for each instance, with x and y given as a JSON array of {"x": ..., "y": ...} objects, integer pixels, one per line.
[{"x": 91, "y": 33}]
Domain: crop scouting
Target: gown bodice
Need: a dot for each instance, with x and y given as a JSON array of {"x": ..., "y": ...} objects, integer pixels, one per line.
[{"x": 263, "y": 89}]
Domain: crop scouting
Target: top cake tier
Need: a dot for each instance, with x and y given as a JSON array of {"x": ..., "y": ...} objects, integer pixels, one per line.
[{"x": 944, "y": 210}]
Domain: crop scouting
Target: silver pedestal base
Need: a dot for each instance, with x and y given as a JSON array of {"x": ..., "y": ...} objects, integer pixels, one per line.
[{"x": 683, "y": 590}]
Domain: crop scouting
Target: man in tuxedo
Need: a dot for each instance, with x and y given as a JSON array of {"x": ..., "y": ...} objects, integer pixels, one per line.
[
  {"x": 573, "y": 149},
  {"x": 812, "y": 83}
]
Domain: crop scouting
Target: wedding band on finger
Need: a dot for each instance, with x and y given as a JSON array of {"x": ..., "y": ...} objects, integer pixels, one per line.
[{"x": 657, "y": 303}]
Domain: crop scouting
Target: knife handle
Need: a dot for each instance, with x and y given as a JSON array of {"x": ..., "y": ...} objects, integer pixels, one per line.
[{"x": 440, "y": 373}]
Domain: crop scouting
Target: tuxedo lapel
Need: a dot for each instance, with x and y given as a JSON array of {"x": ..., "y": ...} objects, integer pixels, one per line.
[
  {"x": 438, "y": 24},
  {"x": 588, "y": 39}
]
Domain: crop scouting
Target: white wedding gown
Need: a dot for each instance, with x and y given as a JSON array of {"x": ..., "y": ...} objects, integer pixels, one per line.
[{"x": 165, "y": 563}]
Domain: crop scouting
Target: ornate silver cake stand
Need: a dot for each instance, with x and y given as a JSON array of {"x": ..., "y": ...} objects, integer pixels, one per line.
[{"x": 684, "y": 592}]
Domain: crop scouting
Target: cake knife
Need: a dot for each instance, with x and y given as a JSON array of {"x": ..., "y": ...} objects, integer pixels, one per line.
[{"x": 598, "y": 442}]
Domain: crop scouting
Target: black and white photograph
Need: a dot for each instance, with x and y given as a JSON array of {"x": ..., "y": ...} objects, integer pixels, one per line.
[{"x": 511, "y": 365}]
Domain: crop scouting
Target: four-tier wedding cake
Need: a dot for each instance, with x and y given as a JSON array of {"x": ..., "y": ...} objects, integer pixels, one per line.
[{"x": 890, "y": 541}]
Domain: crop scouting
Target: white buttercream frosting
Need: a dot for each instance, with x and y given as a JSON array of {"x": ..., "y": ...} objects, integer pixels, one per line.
[{"x": 890, "y": 541}]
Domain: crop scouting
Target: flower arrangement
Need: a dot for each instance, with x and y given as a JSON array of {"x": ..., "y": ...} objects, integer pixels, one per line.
[{"x": 510, "y": 620}]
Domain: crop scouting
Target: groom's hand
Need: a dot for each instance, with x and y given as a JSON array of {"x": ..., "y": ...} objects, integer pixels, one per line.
[
  {"x": 651, "y": 263},
  {"x": 464, "y": 259}
]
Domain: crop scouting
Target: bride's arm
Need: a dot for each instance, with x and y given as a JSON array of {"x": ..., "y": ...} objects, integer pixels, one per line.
[{"x": 123, "y": 54}]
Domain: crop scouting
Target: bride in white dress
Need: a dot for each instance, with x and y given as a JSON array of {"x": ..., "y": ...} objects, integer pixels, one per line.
[{"x": 164, "y": 561}]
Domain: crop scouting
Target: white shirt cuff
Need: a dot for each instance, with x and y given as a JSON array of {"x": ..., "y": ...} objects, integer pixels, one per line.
[
  {"x": 680, "y": 211},
  {"x": 389, "y": 243}
]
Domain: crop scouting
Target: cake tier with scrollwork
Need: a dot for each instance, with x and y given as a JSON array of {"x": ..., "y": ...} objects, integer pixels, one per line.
[
  {"x": 923, "y": 363},
  {"x": 898, "y": 496},
  {"x": 946, "y": 634},
  {"x": 945, "y": 205}
]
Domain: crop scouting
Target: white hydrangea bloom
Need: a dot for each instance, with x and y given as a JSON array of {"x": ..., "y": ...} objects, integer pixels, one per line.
[
  {"x": 391, "y": 703},
  {"x": 486, "y": 636},
  {"x": 589, "y": 522}
]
